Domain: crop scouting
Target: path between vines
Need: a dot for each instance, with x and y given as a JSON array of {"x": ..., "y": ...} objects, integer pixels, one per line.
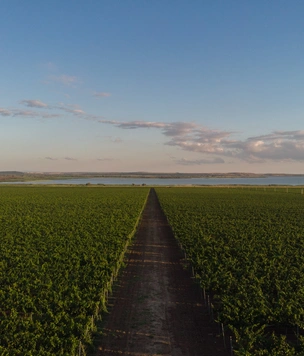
[{"x": 156, "y": 309}]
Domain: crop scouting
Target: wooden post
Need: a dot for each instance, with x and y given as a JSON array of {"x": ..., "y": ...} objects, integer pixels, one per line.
[
  {"x": 223, "y": 333},
  {"x": 208, "y": 302}
]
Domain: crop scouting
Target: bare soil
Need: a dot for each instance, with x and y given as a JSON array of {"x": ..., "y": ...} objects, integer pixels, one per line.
[{"x": 156, "y": 308}]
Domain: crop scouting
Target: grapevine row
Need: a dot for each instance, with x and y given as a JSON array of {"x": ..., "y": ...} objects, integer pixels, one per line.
[
  {"x": 246, "y": 247},
  {"x": 60, "y": 250}
]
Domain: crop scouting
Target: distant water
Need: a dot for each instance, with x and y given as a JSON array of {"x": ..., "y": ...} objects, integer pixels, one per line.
[{"x": 291, "y": 180}]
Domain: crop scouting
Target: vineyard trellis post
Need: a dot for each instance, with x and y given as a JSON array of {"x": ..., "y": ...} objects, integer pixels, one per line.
[
  {"x": 211, "y": 311},
  {"x": 223, "y": 334}
]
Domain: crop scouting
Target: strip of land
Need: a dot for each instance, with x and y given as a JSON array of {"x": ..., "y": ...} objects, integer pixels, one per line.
[
  {"x": 156, "y": 309},
  {"x": 15, "y": 176}
]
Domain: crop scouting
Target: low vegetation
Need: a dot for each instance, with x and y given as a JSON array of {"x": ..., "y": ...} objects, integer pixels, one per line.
[
  {"x": 60, "y": 250},
  {"x": 246, "y": 247}
]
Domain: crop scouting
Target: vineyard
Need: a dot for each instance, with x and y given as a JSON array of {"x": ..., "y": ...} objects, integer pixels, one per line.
[
  {"x": 246, "y": 248},
  {"x": 60, "y": 250}
]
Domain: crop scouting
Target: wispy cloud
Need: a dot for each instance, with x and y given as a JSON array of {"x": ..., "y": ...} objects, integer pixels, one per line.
[
  {"x": 5, "y": 112},
  {"x": 72, "y": 109},
  {"x": 168, "y": 129},
  {"x": 57, "y": 111},
  {"x": 197, "y": 162},
  {"x": 131, "y": 125},
  {"x": 179, "y": 129},
  {"x": 70, "y": 159},
  {"x": 101, "y": 94},
  {"x": 48, "y": 116},
  {"x": 25, "y": 113},
  {"x": 34, "y": 103},
  {"x": 276, "y": 146},
  {"x": 51, "y": 158},
  {"x": 76, "y": 110},
  {"x": 33, "y": 114},
  {"x": 29, "y": 113}
]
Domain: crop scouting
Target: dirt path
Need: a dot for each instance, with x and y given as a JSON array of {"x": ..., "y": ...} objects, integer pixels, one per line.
[{"x": 156, "y": 309}]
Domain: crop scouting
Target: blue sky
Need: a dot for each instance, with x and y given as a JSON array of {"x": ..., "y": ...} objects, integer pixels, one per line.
[{"x": 158, "y": 85}]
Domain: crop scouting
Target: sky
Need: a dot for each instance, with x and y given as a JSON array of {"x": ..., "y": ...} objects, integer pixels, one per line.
[{"x": 152, "y": 85}]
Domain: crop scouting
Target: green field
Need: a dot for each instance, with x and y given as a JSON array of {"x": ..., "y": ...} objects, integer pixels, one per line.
[
  {"x": 246, "y": 246},
  {"x": 60, "y": 249}
]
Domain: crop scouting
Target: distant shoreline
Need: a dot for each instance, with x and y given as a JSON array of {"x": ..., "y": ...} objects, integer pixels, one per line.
[{"x": 14, "y": 176}]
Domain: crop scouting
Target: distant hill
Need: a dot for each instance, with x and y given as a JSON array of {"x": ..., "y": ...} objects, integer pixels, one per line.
[{"x": 11, "y": 173}]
